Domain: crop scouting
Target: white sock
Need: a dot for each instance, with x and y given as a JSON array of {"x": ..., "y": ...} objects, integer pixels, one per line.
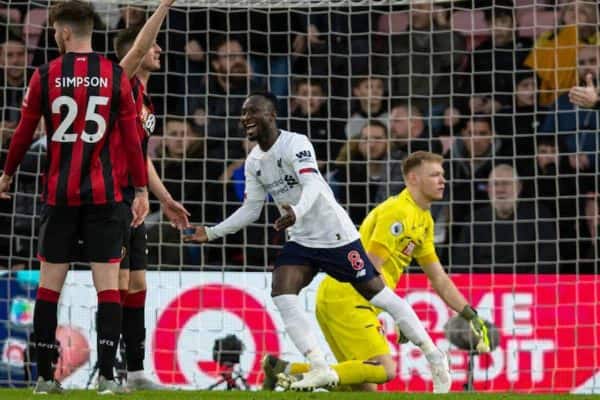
[
  {"x": 405, "y": 317},
  {"x": 135, "y": 375},
  {"x": 297, "y": 327}
]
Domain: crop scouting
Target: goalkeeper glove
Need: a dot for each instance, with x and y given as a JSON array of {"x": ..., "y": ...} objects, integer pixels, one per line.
[{"x": 478, "y": 327}]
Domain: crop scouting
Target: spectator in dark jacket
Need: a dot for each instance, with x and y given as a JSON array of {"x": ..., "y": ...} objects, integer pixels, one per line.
[
  {"x": 472, "y": 157},
  {"x": 312, "y": 117},
  {"x": 577, "y": 128},
  {"x": 509, "y": 234},
  {"x": 494, "y": 62},
  {"x": 362, "y": 170},
  {"x": 228, "y": 86}
]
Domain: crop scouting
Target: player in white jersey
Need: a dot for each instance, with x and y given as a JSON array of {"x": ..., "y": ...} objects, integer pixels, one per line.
[{"x": 321, "y": 237}]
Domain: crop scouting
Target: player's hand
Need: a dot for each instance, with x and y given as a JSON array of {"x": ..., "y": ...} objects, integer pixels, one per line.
[
  {"x": 195, "y": 235},
  {"x": 5, "y": 182},
  {"x": 176, "y": 213},
  {"x": 139, "y": 207},
  {"x": 584, "y": 96},
  {"x": 286, "y": 220},
  {"x": 478, "y": 327}
]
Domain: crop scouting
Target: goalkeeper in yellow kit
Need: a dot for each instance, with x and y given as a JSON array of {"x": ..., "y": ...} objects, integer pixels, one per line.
[{"x": 395, "y": 232}]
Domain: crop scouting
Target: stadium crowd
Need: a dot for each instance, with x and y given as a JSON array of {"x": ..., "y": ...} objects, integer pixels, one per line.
[{"x": 485, "y": 87}]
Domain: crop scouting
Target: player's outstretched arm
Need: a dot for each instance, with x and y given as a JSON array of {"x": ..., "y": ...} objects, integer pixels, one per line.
[
  {"x": 174, "y": 210},
  {"x": 242, "y": 217},
  {"x": 145, "y": 39},
  {"x": 445, "y": 288},
  {"x": 585, "y": 96}
]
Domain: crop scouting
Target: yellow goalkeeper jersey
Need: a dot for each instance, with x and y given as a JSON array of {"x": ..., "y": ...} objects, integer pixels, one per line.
[{"x": 397, "y": 231}]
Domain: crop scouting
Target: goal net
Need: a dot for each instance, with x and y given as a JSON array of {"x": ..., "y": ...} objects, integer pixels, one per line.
[{"x": 483, "y": 83}]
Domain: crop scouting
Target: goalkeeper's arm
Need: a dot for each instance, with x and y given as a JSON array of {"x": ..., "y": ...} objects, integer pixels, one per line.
[{"x": 445, "y": 288}]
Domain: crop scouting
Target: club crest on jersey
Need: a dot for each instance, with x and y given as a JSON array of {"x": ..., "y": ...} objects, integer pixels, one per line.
[
  {"x": 396, "y": 228},
  {"x": 279, "y": 163},
  {"x": 148, "y": 120},
  {"x": 408, "y": 250}
]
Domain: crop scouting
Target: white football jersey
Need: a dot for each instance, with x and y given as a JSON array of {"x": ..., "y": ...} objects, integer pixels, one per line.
[{"x": 277, "y": 173}]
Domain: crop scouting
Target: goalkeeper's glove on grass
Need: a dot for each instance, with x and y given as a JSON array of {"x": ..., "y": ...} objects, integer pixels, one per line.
[{"x": 478, "y": 327}]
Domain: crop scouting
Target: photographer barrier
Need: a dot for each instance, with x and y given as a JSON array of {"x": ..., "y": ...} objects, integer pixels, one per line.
[{"x": 549, "y": 330}]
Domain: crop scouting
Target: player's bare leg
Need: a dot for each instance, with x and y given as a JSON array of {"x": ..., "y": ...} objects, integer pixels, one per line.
[
  {"x": 108, "y": 324},
  {"x": 288, "y": 280},
  {"x": 52, "y": 279},
  {"x": 378, "y": 294}
]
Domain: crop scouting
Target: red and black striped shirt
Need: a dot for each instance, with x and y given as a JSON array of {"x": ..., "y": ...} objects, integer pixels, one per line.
[
  {"x": 91, "y": 126},
  {"x": 146, "y": 125}
]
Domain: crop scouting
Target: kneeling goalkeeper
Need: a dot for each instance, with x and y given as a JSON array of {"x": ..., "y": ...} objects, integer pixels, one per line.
[{"x": 395, "y": 232}]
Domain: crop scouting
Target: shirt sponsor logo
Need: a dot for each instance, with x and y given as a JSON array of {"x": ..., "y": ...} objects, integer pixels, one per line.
[{"x": 408, "y": 250}]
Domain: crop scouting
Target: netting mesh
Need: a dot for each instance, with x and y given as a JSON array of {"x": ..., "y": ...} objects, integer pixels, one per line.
[{"x": 482, "y": 83}]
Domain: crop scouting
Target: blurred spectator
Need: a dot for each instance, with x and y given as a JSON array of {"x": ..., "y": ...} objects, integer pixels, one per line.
[
  {"x": 555, "y": 55},
  {"x": 577, "y": 129},
  {"x": 311, "y": 116},
  {"x": 518, "y": 122},
  {"x": 555, "y": 190},
  {"x": 13, "y": 64},
  {"x": 187, "y": 178},
  {"x": 368, "y": 103},
  {"x": 494, "y": 62},
  {"x": 362, "y": 169},
  {"x": 424, "y": 60},
  {"x": 409, "y": 131},
  {"x": 272, "y": 40},
  {"x": 472, "y": 157},
  {"x": 347, "y": 35},
  {"x": 508, "y": 234},
  {"x": 102, "y": 42},
  {"x": 589, "y": 242},
  {"x": 228, "y": 85}
]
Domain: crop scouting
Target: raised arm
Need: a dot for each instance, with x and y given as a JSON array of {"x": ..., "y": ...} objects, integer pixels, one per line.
[{"x": 145, "y": 39}]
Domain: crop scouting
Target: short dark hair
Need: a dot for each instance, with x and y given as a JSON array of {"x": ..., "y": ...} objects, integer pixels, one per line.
[
  {"x": 376, "y": 123},
  {"x": 500, "y": 9},
  {"x": 124, "y": 40},
  {"x": 268, "y": 96},
  {"x": 79, "y": 15},
  {"x": 417, "y": 158},
  {"x": 480, "y": 118},
  {"x": 310, "y": 82}
]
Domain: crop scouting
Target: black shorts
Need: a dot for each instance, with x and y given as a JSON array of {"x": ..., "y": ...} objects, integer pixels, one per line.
[
  {"x": 136, "y": 248},
  {"x": 347, "y": 263},
  {"x": 88, "y": 233}
]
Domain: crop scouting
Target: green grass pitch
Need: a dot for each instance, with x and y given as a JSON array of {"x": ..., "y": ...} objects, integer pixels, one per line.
[{"x": 26, "y": 394}]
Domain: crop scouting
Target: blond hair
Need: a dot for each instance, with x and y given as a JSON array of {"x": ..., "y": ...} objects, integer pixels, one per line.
[{"x": 417, "y": 158}]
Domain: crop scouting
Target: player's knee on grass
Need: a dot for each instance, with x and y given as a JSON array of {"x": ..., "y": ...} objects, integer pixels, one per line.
[
  {"x": 137, "y": 281},
  {"x": 368, "y": 289},
  {"x": 390, "y": 366},
  {"x": 290, "y": 279}
]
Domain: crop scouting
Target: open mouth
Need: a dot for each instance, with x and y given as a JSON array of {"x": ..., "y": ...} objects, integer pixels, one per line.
[{"x": 250, "y": 128}]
